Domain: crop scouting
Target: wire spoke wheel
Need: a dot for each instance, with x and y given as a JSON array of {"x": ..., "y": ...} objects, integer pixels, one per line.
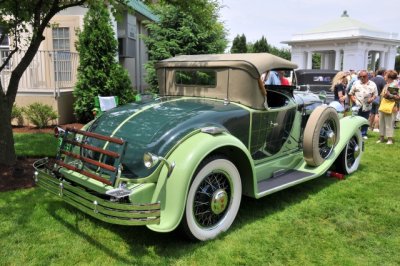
[
  {"x": 353, "y": 151},
  {"x": 327, "y": 138},
  {"x": 213, "y": 199},
  {"x": 349, "y": 159}
]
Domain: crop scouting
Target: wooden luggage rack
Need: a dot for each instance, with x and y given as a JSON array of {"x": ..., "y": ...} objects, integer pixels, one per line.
[{"x": 67, "y": 149}]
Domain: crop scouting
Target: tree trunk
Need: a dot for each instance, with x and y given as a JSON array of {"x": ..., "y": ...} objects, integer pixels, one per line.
[{"x": 7, "y": 151}]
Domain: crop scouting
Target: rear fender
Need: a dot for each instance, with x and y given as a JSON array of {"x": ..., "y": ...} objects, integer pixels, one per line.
[{"x": 172, "y": 191}]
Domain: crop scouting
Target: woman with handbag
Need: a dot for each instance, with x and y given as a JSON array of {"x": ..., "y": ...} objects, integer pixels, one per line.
[{"x": 388, "y": 107}]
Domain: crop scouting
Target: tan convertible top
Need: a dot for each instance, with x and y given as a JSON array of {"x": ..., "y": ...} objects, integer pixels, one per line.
[
  {"x": 254, "y": 63},
  {"x": 237, "y": 76}
]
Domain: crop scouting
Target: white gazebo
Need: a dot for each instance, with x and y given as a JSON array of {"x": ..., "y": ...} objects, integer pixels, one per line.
[{"x": 345, "y": 43}]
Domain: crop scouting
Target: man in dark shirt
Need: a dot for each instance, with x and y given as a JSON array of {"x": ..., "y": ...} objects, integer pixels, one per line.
[
  {"x": 374, "y": 115},
  {"x": 379, "y": 80}
]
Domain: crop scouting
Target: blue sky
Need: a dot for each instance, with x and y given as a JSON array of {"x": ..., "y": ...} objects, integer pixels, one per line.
[{"x": 279, "y": 20}]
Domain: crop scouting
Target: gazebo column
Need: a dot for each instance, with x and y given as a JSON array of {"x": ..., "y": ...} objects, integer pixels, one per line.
[
  {"x": 365, "y": 60},
  {"x": 309, "y": 60},
  {"x": 327, "y": 60},
  {"x": 381, "y": 60},
  {"x": 391, "y": 57},
  {"x": 373, "y": 60},
  {"x": 337, "y": 60}
]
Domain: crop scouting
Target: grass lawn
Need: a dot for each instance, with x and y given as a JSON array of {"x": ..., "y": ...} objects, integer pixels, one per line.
[
  {"x": 35, "y": 145},
  {"x": 325, "y": 221}
]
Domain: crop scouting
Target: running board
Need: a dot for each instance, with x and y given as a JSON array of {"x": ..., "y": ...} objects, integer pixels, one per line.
[{"x": 287, "y": 179}]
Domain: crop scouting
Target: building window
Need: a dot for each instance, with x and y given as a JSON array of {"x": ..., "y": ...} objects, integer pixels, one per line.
[
  {"x": 61, "y": 39},
  {"x": 62, "y": 55},
  {"x": 4, "y": 50}
]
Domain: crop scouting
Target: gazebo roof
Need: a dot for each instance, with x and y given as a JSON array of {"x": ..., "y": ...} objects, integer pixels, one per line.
[
  {"x": 344, "y": 22},
  {"x": 343, "y": 27}
]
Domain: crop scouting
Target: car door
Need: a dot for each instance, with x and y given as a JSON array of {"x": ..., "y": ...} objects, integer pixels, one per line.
[{"x": 271, "y": 128}]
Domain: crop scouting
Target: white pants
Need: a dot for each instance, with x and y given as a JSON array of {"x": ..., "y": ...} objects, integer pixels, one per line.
[{"x": 386, "y": 124}]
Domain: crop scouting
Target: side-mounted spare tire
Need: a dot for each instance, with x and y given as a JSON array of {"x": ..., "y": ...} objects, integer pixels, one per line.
[{"x": 321, "y": 135}]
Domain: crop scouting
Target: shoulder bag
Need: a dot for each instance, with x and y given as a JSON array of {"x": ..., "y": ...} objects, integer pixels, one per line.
[{"x": 386, "y": 106}]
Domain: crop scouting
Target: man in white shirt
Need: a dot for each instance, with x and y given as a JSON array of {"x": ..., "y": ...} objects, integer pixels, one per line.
[{"x": 363, "y": 93}]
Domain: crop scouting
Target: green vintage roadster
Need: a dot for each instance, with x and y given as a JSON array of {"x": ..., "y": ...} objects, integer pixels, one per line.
[{"x": 185, "y": 159}]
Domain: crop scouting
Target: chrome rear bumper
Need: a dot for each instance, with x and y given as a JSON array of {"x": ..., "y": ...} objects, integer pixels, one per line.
[{"x": 102, "y": 209}]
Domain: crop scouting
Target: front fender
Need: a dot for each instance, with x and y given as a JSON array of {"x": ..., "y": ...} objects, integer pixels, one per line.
[
  {"x": 172, "y": 191},
  {"x": 348, "y": 126}
]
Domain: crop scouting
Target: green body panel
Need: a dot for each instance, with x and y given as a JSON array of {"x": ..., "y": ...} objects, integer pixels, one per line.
[
  {"x": 188, "y": 159},
  {"x": 157, "y": 126},
  {"x": 172, "y": 191},
  {"x": 85, "y": 181},
  {"x": 349, "y": 126}
]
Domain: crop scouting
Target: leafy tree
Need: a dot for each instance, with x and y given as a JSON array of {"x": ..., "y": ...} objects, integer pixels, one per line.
[
  {"x": 261, "y": 46},
  {"x": 281, "y": 52},
  {"x": 99, "y": 72},
  {"x": 239, "y": 44},
  {"x": 24, "y": 21},
  {"x": 184, "y": 27},
  {"x": 316, "y": 61},
  {"x": 397, "y": 64}
]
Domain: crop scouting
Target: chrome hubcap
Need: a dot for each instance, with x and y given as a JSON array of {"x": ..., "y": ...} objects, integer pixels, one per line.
[
  {"x": 219, "y": 201},
  {"x": 211, "y": 200},
  {"x": 356, "y": 151},
  {"x": 327, "y": 138},
  {"x": 331, "y": 139}
]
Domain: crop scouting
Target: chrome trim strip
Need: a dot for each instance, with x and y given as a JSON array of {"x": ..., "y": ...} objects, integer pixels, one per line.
[{"x": 102, "y": 209}]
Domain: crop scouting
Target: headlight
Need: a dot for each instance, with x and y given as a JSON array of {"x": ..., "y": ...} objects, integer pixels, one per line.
[{"x": 150, "y": 160}]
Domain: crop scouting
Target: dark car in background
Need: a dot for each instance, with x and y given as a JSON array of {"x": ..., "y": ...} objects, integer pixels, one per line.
[{"x": 316, "y": 80}]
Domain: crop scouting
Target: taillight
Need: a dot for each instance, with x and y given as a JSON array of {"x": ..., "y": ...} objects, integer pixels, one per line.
[{"x": 58, "y": 132}]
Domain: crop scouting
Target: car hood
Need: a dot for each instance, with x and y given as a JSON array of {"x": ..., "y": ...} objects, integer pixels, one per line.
[{"x": 157, "y": 126}]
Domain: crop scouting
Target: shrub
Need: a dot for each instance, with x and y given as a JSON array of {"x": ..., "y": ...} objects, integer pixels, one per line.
[
  {"x": 18, "y": 114},
  {"x": 40, "y": 114}
]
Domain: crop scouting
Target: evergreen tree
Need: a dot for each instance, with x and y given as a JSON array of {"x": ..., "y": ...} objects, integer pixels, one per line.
[
  {"x": 99, "y": 72},
  {"x": 239, "y": 44},
  {"x": 261, "y": 46},
  {"x": 183, "y": 28}
]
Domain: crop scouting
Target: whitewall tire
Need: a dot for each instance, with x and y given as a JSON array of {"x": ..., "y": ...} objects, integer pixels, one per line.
[{"x": 213, "y": 199}]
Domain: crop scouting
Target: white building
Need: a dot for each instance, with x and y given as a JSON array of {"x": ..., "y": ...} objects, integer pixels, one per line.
[{"x": 345, "y": 43}]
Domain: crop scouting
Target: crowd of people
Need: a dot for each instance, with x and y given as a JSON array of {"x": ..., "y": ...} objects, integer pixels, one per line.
[{"x": 375, "y": 94}]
